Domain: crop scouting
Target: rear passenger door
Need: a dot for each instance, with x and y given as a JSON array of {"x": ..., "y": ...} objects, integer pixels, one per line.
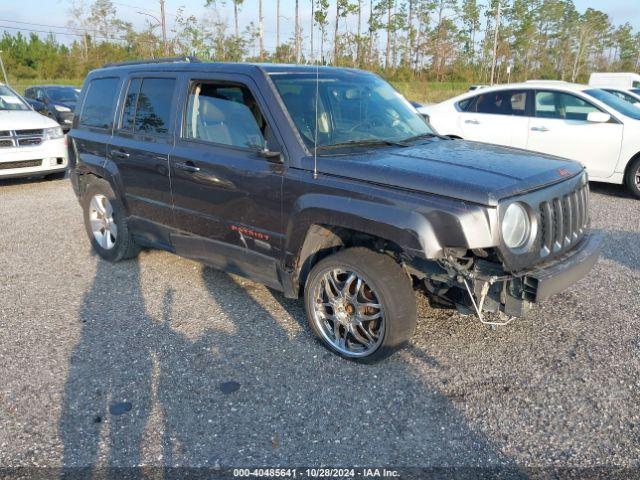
[
  {"x": 499, "y": 117},
  {"x": 140, "y": 148},
  {"x": 226, "y": 196}
]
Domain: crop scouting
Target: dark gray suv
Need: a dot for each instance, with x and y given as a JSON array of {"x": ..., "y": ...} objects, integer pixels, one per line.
[{"x": 326, "y": 183}]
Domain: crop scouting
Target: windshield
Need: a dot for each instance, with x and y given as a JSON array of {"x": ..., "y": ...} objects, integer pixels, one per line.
[
  {"x": 63, "y": 94},
  {"x": 9, "y": 100},
  {"x": 352, "y": 108},
  {"x": 616, "y": 103}
]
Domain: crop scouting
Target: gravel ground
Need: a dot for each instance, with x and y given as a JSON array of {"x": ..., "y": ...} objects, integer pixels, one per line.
[{"x": 162, "y": 361}]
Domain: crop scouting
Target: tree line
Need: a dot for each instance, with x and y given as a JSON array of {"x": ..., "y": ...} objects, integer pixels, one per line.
[{"x": 439, "y": 40}]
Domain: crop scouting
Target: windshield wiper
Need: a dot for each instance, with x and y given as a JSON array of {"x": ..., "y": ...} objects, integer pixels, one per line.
[
  {"x": 421, "y": 136},
  {"x": 365, "y": 143}
]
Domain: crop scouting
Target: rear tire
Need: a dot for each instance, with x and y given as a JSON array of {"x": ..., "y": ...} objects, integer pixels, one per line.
[
  {"x": 632, "y": 178},
  {"x": 106, "y": 223},
  {"x": 360, "y": 304}
]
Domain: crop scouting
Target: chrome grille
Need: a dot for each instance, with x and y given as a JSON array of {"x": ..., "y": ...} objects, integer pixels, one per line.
[
  {"x": 21, "y": 138},
  {"x": 564, "y": 220}
]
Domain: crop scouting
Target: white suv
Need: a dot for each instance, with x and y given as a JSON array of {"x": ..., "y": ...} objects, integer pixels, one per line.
[
  {"x": 579, "y": 122},
  {"x": 30, "y": 143}
]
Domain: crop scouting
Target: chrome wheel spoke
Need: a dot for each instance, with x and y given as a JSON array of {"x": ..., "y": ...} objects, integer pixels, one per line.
[
  {"x": 104, "y": 240},
  {"x": 359, "y": 338},
  {"x": 347, "y": 313},
  {"x": 368, "y": 305},
  {"x": 96, "y": 225},
  {"x": 96, "y": 203},
  {"x": 330, "y": 287},
  {"x": 347, "y": 284},
  {"x": 368, "y": 317},
  {"x": 108, "y": 209}
]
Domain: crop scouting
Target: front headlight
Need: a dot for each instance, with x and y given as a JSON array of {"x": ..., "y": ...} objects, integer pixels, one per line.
[
  {"x": 60, "y": 108},
  {"x": 516, "y": 226},
  {"x": 53, "y": 133}
]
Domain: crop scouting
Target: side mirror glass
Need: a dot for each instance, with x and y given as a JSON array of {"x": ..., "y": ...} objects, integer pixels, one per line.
[{"x": 598, "y": 117}]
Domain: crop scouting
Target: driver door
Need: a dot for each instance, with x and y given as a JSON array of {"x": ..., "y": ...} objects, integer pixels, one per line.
[{"x": 226, "y": 195}]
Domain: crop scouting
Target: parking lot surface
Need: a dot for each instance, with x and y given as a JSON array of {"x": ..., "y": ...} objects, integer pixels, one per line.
[{"x": 162, "y": 361}]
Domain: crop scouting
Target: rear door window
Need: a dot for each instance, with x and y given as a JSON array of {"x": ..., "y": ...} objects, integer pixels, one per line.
[
  {"x": 147, "y": 106},
  {"x": 501, "y": 102},
  {"x": 97, "y": 110}
]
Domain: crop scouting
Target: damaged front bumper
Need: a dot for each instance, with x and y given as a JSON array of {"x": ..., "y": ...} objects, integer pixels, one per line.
[
  {"x": 514, "y": 293},
  {"x": 476, "y": 285}
]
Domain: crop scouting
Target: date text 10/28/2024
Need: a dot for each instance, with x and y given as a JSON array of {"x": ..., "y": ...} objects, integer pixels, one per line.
[{"x": 316, "y": 472}]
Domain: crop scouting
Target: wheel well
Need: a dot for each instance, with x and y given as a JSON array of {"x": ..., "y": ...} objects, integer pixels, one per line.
[
  {"x": 86, "y": 180},
  {"x": 629, "y": 163},
  {"x": 323, "y": 240}
]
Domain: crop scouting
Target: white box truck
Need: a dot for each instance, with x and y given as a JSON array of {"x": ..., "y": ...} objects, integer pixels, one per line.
[{"x": 615, "y": 79}]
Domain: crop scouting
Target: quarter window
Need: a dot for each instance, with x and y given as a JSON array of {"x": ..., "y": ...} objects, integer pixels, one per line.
[
  {"x": 224, "y": 114},
  {"x": 501, "y": 102},
  {"x": 563, "y": 106},
  {"x": 97, "y": 110}
]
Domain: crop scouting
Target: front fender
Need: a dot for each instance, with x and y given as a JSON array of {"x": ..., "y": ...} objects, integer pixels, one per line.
[{"x": 408, "y": 229}]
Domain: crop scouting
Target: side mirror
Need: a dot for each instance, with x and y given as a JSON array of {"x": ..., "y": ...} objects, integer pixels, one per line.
[
  {"x": 271, "y": 156},
  {"x": 598, "y": 117}
]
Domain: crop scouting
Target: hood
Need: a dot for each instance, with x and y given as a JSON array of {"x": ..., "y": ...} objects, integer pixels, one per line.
[
  {"x": 470, "y": 171},
  {"x": 24, "y": 120}
]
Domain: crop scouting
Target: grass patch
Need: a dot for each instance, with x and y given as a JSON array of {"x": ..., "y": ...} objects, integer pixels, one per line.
[
  {"x": 20, "y": 85},
  {"x": 430, "y": 92},
  {"x": 415, "y": 90}
]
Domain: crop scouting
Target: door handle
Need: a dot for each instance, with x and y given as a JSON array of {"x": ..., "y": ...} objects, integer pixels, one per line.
[
  {"x": 187, "y": 167},
  {"x": 120, "y": 154},
  {"x": 539, "y": 129},
  {"x": 472, "y": 122},
  {"x": 213, "y": 180}
]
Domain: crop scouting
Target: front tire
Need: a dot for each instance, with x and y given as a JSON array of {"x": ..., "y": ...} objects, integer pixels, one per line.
[
  {"x": 106, "y": 224},
  {"x": 360, "y": 304},
  {"x": 632, "y": 178}
]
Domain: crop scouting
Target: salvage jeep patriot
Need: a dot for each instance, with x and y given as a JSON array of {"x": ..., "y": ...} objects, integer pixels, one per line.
[{"x": 326, "y": 183}]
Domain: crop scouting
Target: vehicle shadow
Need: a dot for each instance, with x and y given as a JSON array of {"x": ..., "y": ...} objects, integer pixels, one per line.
[
  {"x": 261, "y": 393},
  {"x": 622, "y": 247},
  {"x": 610, "y": 189}
]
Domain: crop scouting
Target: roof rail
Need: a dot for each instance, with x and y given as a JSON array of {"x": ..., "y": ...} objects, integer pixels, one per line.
[{"x": 188, "y": 59}]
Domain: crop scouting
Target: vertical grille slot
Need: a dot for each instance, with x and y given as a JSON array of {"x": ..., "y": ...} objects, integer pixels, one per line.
[
  {"x": 548, "y": 233},
  {"x": 559, "y": 224},
  {"x": 563, "y": 220}
]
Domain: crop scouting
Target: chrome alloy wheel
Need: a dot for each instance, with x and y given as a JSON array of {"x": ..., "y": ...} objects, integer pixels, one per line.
[
  {"x": 103, "y": 226},
  {"x": 347, "y": 313},
  {"x": 638, "y": 178}
]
